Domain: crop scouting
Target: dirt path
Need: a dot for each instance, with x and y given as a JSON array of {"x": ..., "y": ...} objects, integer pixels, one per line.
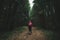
[{"x": 36, "y": 35}]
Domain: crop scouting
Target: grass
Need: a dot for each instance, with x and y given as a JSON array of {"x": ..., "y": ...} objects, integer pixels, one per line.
[
  {"x": 49, "y": 34},
  {"x": 20, "y": 29},
  {"x": 5, "y": 35}
]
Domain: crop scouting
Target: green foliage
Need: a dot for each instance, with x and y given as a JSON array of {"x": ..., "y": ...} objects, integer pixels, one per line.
[
  {"x": 5, "y": 35},
  {"x": 49, "y": 34},
  {"x": 43, "y": 12},
  {"x": 23, "y": 11}
]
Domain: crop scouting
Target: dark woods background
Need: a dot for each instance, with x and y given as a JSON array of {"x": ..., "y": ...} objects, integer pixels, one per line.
[{"x": 14, "y": 13}]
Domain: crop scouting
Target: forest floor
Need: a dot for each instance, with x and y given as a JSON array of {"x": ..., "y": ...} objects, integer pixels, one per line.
[
  {"x": 36, "y": 35},
  {"x": 22, "y": 34}
]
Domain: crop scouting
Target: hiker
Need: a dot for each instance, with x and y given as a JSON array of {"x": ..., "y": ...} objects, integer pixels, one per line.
[{"x": 30, "y": 26}]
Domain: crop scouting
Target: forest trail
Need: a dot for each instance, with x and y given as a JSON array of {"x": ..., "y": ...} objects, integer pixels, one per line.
[{"x": 36, "y": 35}]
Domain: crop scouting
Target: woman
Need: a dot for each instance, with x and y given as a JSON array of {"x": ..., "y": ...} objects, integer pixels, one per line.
[{"x": 30, "y": 26}]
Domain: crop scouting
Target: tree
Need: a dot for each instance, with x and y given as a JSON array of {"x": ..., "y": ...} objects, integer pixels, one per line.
[
  {"x": 44, "y": 11},
  {"x": 13, "y": 13}
]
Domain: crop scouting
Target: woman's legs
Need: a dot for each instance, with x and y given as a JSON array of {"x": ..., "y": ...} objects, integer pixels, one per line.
[{"x": 30, "y": 29}]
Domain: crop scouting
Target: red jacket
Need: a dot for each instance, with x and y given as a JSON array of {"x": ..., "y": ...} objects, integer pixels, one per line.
[{"x": 30, "y": 23}]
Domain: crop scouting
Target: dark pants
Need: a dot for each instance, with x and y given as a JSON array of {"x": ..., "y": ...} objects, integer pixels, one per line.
[{"x": 30, "y": 29}]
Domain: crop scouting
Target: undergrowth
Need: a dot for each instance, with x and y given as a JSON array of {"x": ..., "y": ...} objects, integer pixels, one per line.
[
  {"x": 5, "y": 35},
  {"x": 48, "y": 33}
]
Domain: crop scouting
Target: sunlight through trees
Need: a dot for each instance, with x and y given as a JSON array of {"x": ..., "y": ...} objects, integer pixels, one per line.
[{"x": 31, "y": 6}]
